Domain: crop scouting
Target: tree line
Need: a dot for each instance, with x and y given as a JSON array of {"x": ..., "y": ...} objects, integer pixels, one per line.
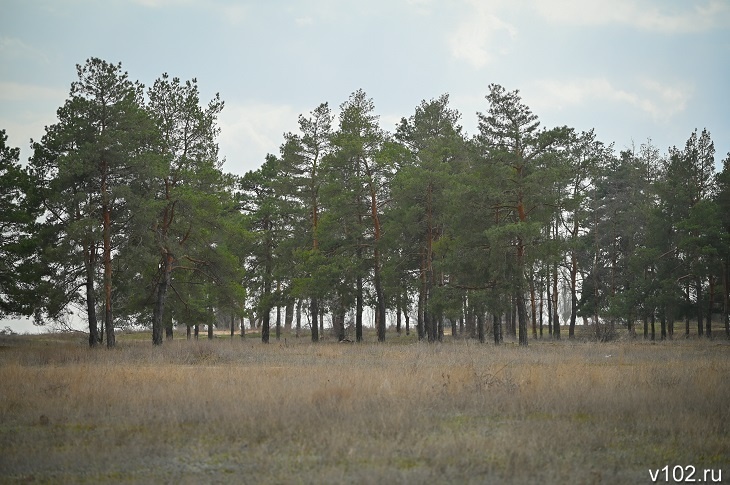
[{"x": 124, "y": 214}]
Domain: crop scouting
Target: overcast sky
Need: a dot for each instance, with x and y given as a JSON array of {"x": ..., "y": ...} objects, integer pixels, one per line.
[{"x": 630, "y": 69}]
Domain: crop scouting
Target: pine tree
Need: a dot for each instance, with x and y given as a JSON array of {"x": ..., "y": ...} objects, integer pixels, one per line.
[
  {"x": 358, "y": 172},
  {"x": 421, "y": 197},
  {"x": 91, "y": 166},
  {"x": 523, "y": 158},
  {"x": 190, "y": 187},
  {"x": 301, "y": 179}
]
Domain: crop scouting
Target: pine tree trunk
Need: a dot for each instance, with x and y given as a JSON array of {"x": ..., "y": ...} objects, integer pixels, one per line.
[
  {"x": 101, "y": 332},
  {"x": 700, "y": 310},
  {"x": 428, "y": 264},
  {"x": 289, "y": 314},
  {"x": 358, "y": 310},
  {"x": 512, "y": 317},
  {"x": 340, "y": 324},
  {"x": 94, "y": 339},
  {"x": 480, "y": 327},
  {"x": 169, "y": 331},
  {"x": 314, "y": 312},
  {"x": 420, "y": 321},
  {"x": 497, "y": 328},
  {"x": 107, "y": 235},
  {"x": 542, "y": 284},
  {"x": 462, "y": 317},
  {"x": 522, "y": 318},
  {"x": 428, "y": 322},
  {"x": 265, "y": 323},
  {"x": 379, "y": 303},
  {"x": 653, "y": 329},
  {"x": 266, "y": 296},
  {"x": 313, "y": 303},
  {"x": 533, "y": 308},
  {"x": 377, "y": 280},
  {"x": 298, "y": 318},
  {"x": 573, "y": 294},
  {"x": 160, "y": 296},
  {"x": 556, "y": 318},
  {"x": 708, "y": 326},
  {"x": 630, "y": 325},
  {"x": 337, "y": 332},
  {"x": 549, "y": 306},
  {"x": 686, "y": 318},
  {"x": 471, "y": 329},
  {"x": 508, "y": 317},
  {"x": 278, "y": 322}
]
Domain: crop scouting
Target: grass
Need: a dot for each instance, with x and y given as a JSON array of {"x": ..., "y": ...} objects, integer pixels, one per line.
[{"x": 239, "y": 411}]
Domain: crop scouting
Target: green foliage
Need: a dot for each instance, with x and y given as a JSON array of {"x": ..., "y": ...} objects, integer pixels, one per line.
[
  {"x": 186, "y": 221},
  {"x": 19, "y": 266},
  {"x": 91, "y": 166},
  {"x": 125, "y": 202}
]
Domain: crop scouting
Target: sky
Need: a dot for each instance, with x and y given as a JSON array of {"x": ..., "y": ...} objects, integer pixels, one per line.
[{"x": 632, "y": 70}]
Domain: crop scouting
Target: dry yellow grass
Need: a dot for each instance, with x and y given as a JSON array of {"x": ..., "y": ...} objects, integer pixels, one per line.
[{"x": 234, "y": 411}]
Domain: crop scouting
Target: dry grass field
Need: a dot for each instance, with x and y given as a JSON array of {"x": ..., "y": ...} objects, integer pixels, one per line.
[{"x": 238, "y": 411}]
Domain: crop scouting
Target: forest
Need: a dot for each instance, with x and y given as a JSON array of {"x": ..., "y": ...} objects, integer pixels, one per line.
[{"x": 125, "y": 216}]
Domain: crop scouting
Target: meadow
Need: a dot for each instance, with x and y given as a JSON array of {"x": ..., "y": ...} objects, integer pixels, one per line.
[{"x": 238, "y": 411}]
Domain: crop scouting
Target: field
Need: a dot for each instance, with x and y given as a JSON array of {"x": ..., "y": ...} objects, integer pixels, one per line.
[{"x": 238, "y": 411}]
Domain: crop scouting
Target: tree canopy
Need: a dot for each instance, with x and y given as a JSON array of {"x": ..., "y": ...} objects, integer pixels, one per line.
[{"x": 125, "y": 214}]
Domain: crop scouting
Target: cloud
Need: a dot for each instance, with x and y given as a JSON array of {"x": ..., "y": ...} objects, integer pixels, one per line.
[
  {"x": 10, "y": 91},
  {"x": 21, "y": 127},
  {"x": 661, "y": 102},
  {"x": 390, "y": 121},
  {"x": 422, "y": 7},
  {"x": 250, "y": 131},
  {"x": 302, "y": 21},
  {"x": 12, "y": 48},
  {"x": 666, "y": 17},
  {"x": 232, "y": 12},
  {"x": 476, "y": 38},
  {"x": 669, "y": 100},
  {"x": 164, "y": 3}
]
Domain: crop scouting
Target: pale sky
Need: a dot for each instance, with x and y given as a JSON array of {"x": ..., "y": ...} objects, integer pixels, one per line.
[{"x": 630, "y": 69}]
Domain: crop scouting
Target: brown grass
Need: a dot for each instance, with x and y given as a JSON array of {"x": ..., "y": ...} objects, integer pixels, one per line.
[{"x": 239, "y": 411}]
